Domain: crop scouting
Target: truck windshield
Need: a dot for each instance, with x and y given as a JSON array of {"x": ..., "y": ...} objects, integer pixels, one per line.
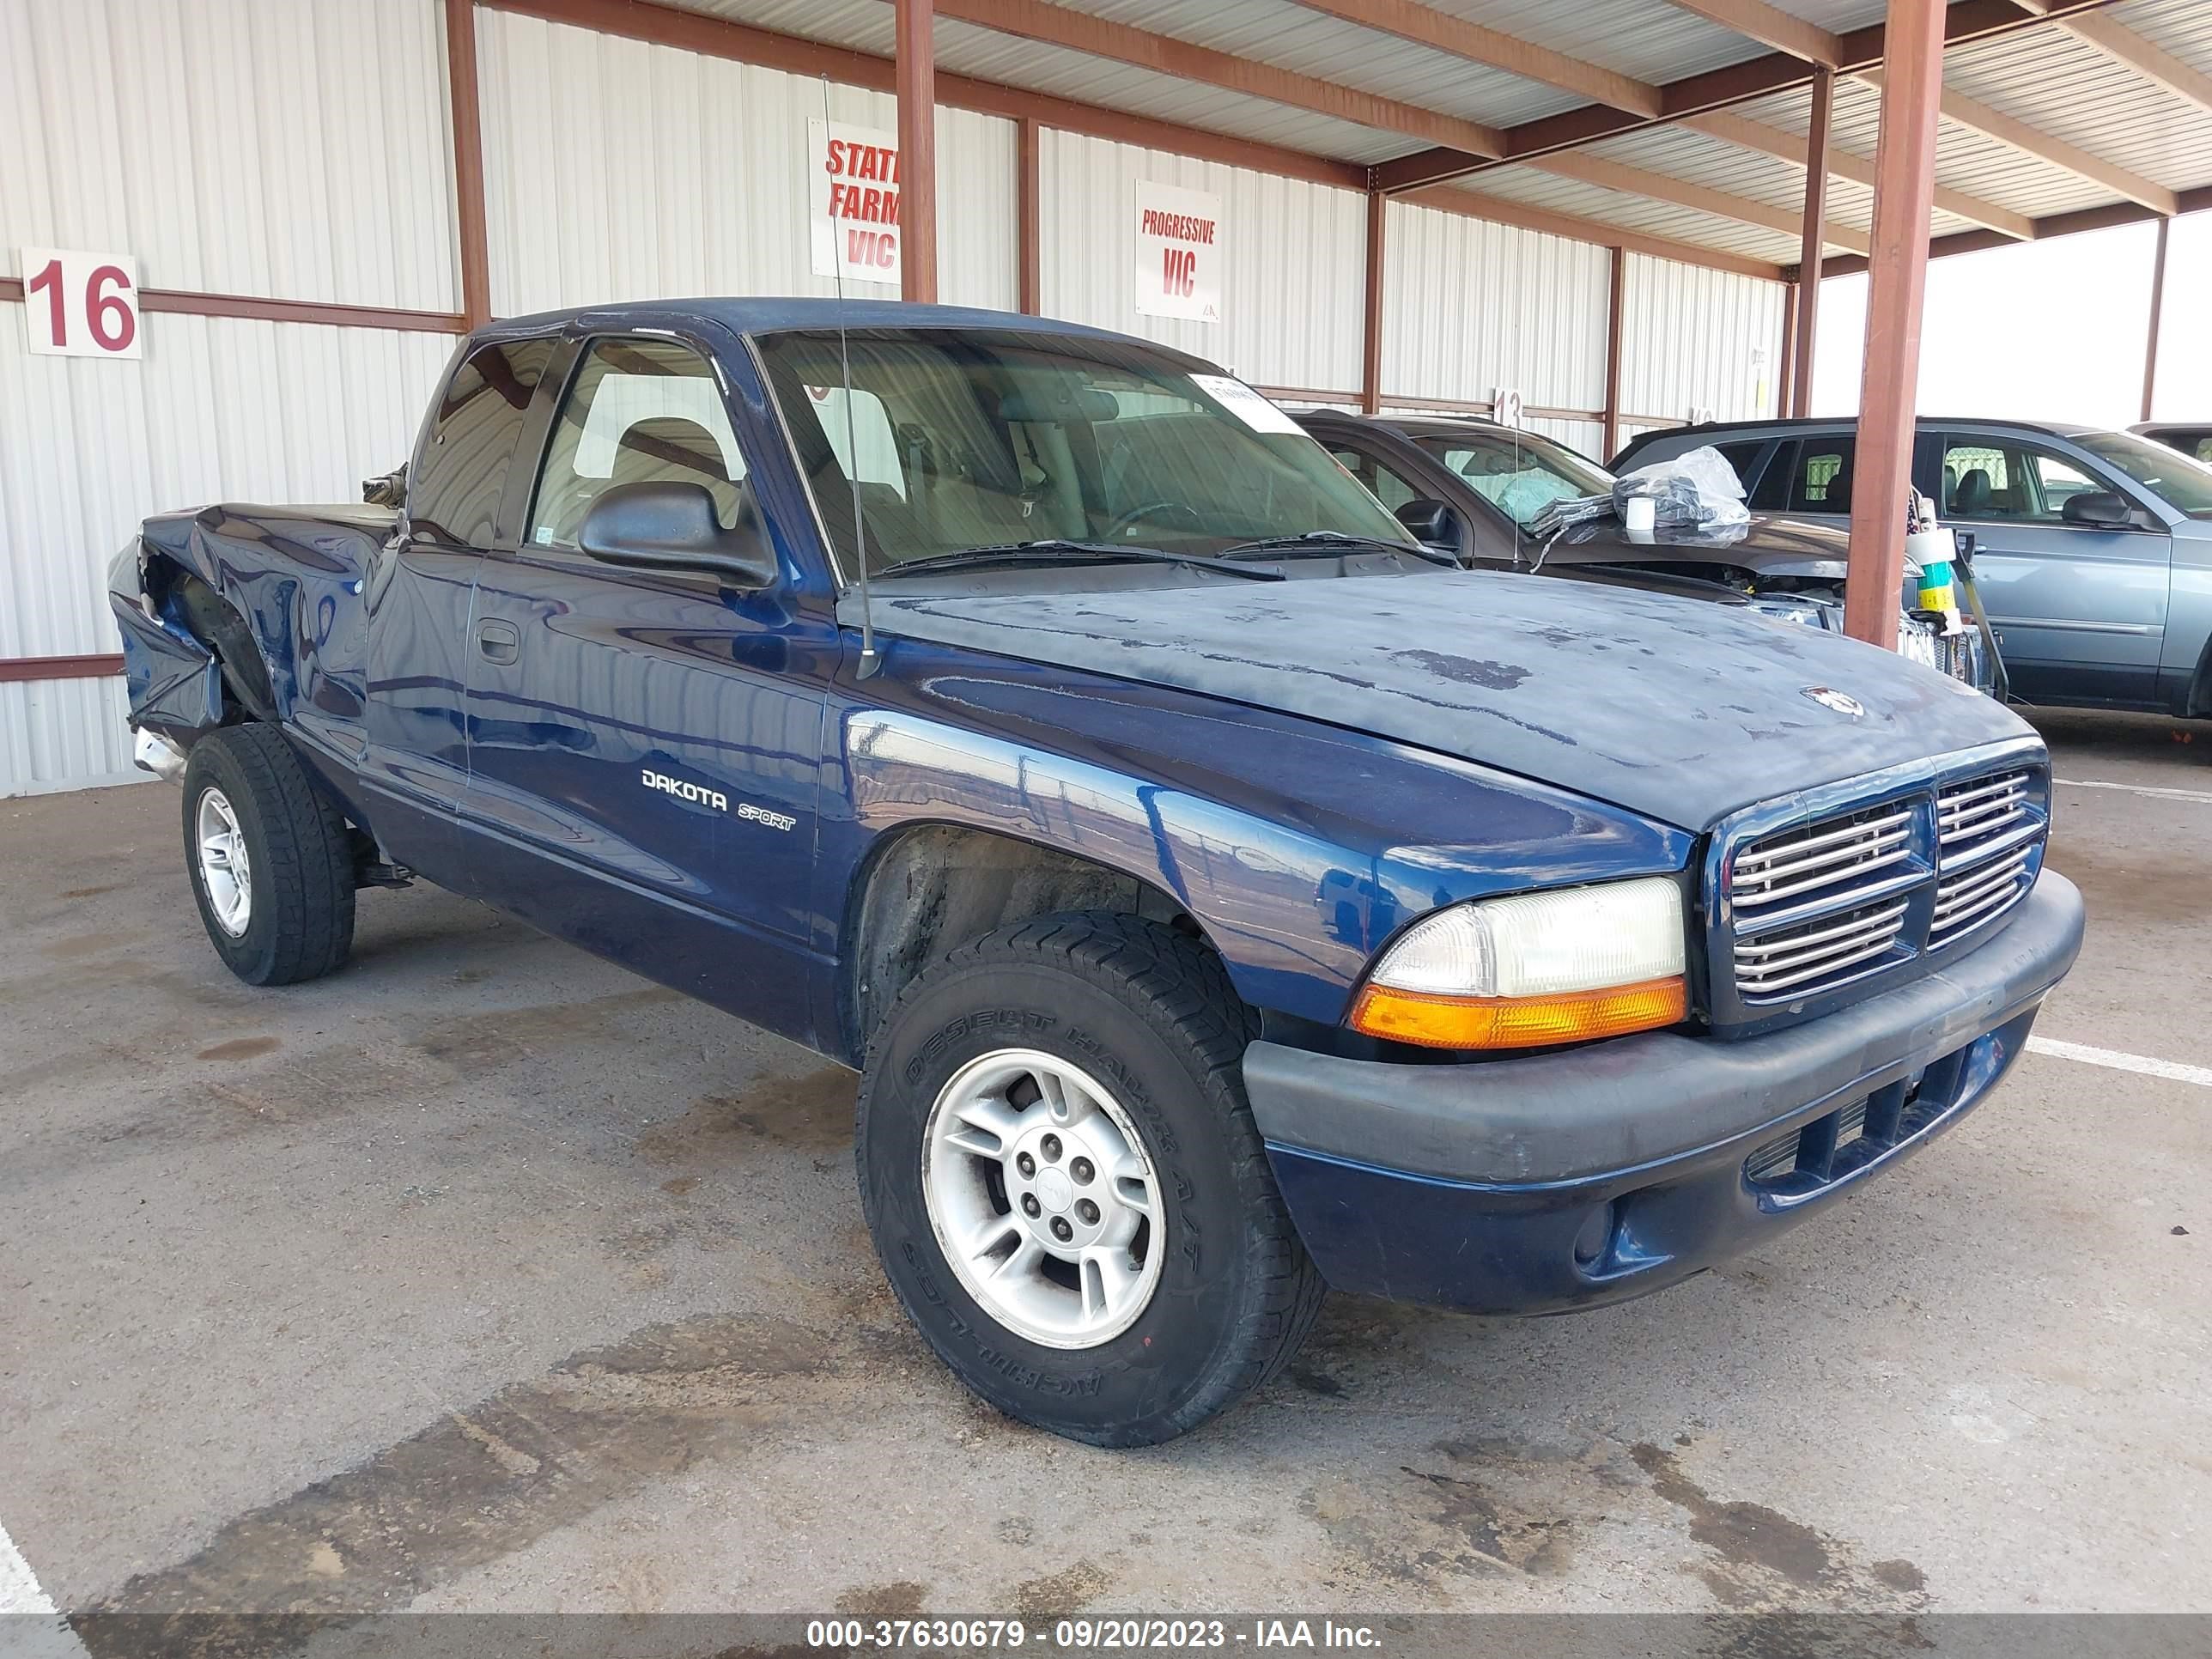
[
  {"x": 2180, "y": 481},
  {"x": 968, "y": 438},
  {"x": 1518, "y": 472}
]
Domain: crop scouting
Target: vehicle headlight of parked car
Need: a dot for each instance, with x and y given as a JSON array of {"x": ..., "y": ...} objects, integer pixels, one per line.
[{"x": 1533, "y": 970}]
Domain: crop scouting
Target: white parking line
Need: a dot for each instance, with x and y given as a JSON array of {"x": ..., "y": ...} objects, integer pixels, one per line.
[
  {"x": 45, "y": 1634},
  {"x": 2172, "y": 1070},
  {"x": 2138, "y": 789}
]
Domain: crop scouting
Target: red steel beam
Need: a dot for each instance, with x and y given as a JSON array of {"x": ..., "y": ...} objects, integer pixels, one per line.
[
  {"x": 1904, "y": 196},
  {"x": 1816, "y": 213},
  {"x": 471, "y": 222},
  {"x": 2069, "y": 223},
  {"x": 17, "y": 671},
  {"x": 255, "y": 306},
  {"x": 1370, "y": 339},
  {"x": 1028, "y": 251},
  {"x": 1616, "y": 306},
  {"x": 916, "y": 65},
  {"x": 1781, "y": 397}
]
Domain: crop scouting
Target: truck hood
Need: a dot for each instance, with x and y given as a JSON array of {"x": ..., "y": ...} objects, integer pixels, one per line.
[{"x": 1677, "y": 709}]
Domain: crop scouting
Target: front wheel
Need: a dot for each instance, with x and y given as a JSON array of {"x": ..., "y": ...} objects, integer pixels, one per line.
[
  {"x": 1064, "y": 1185},
  {"x": 270, "y": 862}
]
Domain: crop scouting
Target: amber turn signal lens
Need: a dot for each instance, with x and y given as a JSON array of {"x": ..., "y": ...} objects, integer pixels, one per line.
[{"x": 1440, "y": 1022}]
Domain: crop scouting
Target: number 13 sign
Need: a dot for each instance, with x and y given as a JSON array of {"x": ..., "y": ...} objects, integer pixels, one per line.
[{"x": 82, "y": 305}]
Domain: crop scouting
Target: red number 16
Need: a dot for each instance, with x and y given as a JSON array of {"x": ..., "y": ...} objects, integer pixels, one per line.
[{"x": 111, "y": 320}]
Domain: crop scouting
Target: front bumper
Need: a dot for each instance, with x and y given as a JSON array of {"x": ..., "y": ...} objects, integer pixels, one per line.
[{"x": 1539, "y": 1184}]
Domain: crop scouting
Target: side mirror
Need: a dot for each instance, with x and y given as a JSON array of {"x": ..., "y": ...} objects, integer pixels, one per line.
[
  {"x": 1433, "y": 523},
  {"x": 2102, "y": 509},
  {"x": 666, "y": 525}
]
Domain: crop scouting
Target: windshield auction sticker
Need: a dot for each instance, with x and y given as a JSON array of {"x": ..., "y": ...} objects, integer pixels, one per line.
[
  {"x": 1246, "y": 404},
  {"x": 1180, "y": 253},
  {"x": 852, "y": 202}
]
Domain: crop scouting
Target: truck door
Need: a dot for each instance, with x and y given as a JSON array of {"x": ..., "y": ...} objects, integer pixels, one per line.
[
  {"x": 2080, "y": 610},
  {"x": 643, "y": 745},
  {"x": 414, "y": 760}
]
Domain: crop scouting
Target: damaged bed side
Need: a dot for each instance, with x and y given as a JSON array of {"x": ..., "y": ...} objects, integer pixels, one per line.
[{"x": 235, "y": 612}]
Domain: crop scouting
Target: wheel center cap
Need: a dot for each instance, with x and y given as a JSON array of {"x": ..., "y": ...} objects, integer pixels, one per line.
[{"x": 1055, "y": 1191}]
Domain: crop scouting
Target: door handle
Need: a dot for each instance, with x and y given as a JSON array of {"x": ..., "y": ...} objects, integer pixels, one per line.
[{"x": 498, "y": 641}]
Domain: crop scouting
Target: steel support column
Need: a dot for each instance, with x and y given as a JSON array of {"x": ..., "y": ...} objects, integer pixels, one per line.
[
  {"x": 2157, "y": 306},
  {"x": 915, "y": 65},
  {"x": 471, "y": 221},
  {"x": 1028, "y": 254},
  {"x": 1814, "y": 245},
  {"x": 1370, "y": 339},
  {"x": 1903, "y": 195},
  {"x": 1616, "y": 303}
]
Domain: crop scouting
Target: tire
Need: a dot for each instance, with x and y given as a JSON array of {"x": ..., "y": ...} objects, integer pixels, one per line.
[
  {"x": 296, "y": 921},
  {"x": 1148, "y": 1017}
]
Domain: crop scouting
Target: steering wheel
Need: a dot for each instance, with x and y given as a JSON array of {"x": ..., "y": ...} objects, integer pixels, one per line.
[{"x": 1136, "y": 515}]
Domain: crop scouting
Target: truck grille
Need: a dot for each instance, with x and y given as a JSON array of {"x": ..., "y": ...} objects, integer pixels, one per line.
[
  {"x": 1987, "y": 837},
  {"x": 1815, "y": 906}
]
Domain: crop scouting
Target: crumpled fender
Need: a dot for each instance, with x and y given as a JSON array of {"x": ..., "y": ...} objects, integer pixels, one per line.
[{"x": 175, "y": 683}]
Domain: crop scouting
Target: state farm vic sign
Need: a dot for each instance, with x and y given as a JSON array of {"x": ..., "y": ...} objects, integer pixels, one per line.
[
  {"x": 1180, "y": 253},
  {"x": 852, "y": 202}
]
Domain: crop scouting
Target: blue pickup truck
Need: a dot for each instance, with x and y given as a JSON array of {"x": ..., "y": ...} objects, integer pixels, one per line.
[{"x": 1220, "y": 895}]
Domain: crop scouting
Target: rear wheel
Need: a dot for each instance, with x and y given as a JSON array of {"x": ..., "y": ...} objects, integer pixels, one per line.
[
  {"x": 1065, "y": 1187},
  {"x": 271, "y": 864}
]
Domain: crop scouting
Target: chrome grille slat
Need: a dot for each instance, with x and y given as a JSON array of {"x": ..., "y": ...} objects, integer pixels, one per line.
[
  {"x": 1810, "y": 909},
  {"x": 1782, "y": 881},
  {"x": 1987, "y": 832},
  {"x": 1772, "y": 962}
]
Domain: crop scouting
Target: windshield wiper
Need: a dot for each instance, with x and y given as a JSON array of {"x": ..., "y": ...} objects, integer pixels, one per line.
[
  {"x": 1054, "y": 549},
  {"x": 1324, "y": 541}
]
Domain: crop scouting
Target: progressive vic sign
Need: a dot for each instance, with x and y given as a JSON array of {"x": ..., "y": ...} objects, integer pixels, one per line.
[
  {"x": 1180, "y": 253},
  {"x": 852, "y": 202}
]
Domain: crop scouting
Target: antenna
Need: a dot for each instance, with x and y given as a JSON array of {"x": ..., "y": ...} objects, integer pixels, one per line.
[{"x": 870, "y": 660}]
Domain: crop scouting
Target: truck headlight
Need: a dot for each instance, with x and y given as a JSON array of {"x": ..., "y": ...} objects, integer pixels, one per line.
[{"x": 1533, "y": 970}]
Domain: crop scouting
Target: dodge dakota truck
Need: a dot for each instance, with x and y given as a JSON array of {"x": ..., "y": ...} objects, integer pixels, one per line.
[{"x": 1220, "y": 895}]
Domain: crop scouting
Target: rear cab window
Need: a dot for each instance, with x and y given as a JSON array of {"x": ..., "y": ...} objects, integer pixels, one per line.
[{"x": 457, "y": 483}]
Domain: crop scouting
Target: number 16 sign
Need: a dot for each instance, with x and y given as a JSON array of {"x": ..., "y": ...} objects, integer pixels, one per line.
[{"x": 82, "y": 305}]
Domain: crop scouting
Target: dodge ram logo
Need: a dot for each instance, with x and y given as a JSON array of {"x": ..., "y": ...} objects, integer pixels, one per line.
[{"x": 1852, "y": 708}]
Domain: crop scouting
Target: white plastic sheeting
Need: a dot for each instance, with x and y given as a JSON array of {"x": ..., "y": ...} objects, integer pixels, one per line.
[
  {"x": 1470, "y": 305},
  {"x": 618, "y": 170},
  {"x": 1294, "y": 294},
  {"x": 298, "y": 150},
  {"x": 1694, "y": 338}
]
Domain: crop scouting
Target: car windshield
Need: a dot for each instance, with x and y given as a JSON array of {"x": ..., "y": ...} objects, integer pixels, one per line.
[
  {"x": 2182, "y": 483},
  {"x": 1518, "y": 472},
  {"x": 961, "y": 439}
]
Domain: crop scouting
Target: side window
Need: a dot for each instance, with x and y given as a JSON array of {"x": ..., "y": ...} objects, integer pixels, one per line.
[
  {"x": 1771, "y": 493},
  {"x": 638, "y": 411},
  {"x": 1986, "y": 479},
  {"x": 1821, "y": 481},
  {"x": 1387, "y": 487},
  {"x": 2058, "y": 481},
  {"x": 455, "y": 487}
]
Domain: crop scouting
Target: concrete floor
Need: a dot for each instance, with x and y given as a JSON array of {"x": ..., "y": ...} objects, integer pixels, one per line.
[{"x": 485, "y": 1276}]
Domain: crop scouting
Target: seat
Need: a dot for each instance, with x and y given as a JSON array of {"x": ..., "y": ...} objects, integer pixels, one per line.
[
  {"x": 1970, "y": 500},
  {"x": 1837, "y": 497},
  {"x": 672, "y": 449}
]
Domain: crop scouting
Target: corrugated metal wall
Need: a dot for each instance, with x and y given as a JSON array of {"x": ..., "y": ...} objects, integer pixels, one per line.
[
  {"x": 1294, "y": 297},
  {"x": 297, "y": 149},
  {"x": 618, "y": 170},
  {"x": 1697, "y": 338},
  {"x": 1470, "y": 306},
  {"x": 229, "y": 190}
]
